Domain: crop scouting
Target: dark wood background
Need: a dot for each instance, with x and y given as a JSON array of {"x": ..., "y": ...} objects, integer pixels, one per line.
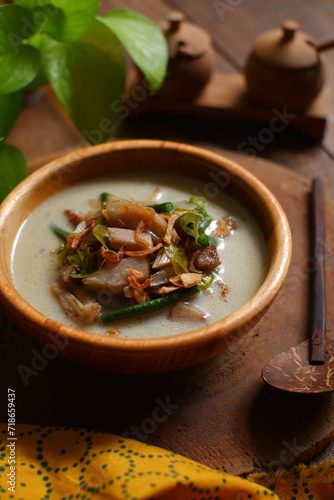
[{"x": 223, "y": 414}]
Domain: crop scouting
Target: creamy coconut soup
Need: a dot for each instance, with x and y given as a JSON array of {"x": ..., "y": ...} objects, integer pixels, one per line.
[{"x": 208, "y": 255}]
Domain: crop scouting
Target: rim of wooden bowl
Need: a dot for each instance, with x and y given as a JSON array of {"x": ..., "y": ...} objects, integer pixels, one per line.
[{"x": 234, "y": 321}]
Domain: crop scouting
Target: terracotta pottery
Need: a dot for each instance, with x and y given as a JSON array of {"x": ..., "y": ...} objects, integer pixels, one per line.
[
  {"x": 145, "y": 355},
  {"x": 191, "y": 59},
  {"x": 284, "y": 68}
]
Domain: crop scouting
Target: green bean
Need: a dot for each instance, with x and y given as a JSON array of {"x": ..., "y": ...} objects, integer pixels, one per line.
[
  {"x": 58, "y": 231},
  {"x": 104, "y": 197},
  {"x": 203, "y": 240},
  {"x": 167, "y": 207},
  {"x": 150, "y": 306}
]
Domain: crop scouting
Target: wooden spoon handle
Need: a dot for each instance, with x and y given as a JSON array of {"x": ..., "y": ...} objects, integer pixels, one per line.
[
  {"x": 318, "y": 320},
  {"x": 329, "y": 44}
]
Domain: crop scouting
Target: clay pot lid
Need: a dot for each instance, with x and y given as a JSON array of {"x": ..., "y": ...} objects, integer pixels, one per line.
[
  {"x": 286, "y": 48},
  {"x": 185, "y": 38}
]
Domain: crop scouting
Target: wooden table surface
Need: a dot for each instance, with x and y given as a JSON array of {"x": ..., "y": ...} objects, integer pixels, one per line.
[{"x": 44, "y": 131}]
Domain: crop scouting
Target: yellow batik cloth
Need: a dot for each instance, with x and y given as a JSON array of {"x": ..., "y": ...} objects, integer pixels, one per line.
[
  {"x": 300, "y": 482},
  {"x": 53, "y": 463}
]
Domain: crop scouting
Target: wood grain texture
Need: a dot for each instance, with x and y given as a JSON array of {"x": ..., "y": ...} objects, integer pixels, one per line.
[
  {"x": 292, "y": 371},
  {"x": 220, "y": 413},
  {"x": 309, "y": 367},
  {"x": 225, "y": 416},
  {"x": 43, "y": 128},
  {"x": 226, "y": 96},
  {"x": 318, "y": 305},
  {"x": 235, "y": 27},
  {"x": 143, "y": 356}
]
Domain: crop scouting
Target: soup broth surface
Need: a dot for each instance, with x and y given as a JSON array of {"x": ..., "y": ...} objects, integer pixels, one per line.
[{"x": 243, "y": 254}]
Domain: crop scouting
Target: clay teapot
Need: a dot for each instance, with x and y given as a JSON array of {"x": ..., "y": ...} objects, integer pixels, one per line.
[
  {"x": 284, "y": 68},
  {"x": 191, "y": 59}
]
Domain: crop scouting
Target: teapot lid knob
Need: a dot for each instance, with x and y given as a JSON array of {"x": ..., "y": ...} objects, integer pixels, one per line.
[
  {"x": 289, "y": 29},
  {"x": 185, "y": 39},
  {"x": 286, "y": 48},
  {"x": 175, "y": 18}
]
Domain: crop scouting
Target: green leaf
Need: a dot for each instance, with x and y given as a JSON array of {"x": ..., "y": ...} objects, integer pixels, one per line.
[
  {"x": 89, "y": 78},
  {"x": 13, "y": 169},
  {"x": 10, "y": 107},
  {"x": 143, "y": 40},
  {"x": 18, "y": 69},
  {"x": 16, "y": 24},
  {"x": 31, "y": 4},
  {"x": 67, "y": 21},
  {"x": 86, "y": 259},
  {"x": 73, "y": 21},
  {"x": 40, "y": 80},
  {"x": 41, "y": 11}
]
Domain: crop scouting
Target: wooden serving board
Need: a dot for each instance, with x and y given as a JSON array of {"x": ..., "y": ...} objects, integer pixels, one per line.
[
  {"x": 219, "y": 413},
  {"x": 226, "y": 96}
]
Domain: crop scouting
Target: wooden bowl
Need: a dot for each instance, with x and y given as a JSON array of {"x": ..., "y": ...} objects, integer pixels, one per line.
[{"x": 138, "y": 356}]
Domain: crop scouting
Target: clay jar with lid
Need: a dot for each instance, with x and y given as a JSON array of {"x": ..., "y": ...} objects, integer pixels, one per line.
[
  {"x": 191, "y": 59},
  {"x": 284, "y": 69}
]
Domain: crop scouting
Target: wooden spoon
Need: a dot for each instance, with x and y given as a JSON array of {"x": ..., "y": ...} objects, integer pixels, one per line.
[{"x": 309, "y": 367}]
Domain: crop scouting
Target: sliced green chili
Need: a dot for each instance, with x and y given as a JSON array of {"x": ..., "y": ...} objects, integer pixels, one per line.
[
  {"x": 100, "y": 232},
  {"x": 189, "y": 223},
  {"x": 178, "y": 258},
  {"x": 86, "y": 260},
  {"x": 206, "y": 220},
  {"x": 207, "y": 280},
  {"x": 58, "y": 231},
  {"x": 167, "y": 207},
  {"x": 148, "y": 307}
]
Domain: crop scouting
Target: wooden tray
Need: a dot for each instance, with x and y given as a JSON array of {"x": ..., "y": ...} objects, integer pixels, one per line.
[
  {"x": 226, "y": 96},
  {"x": 219, "y": 413}
]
